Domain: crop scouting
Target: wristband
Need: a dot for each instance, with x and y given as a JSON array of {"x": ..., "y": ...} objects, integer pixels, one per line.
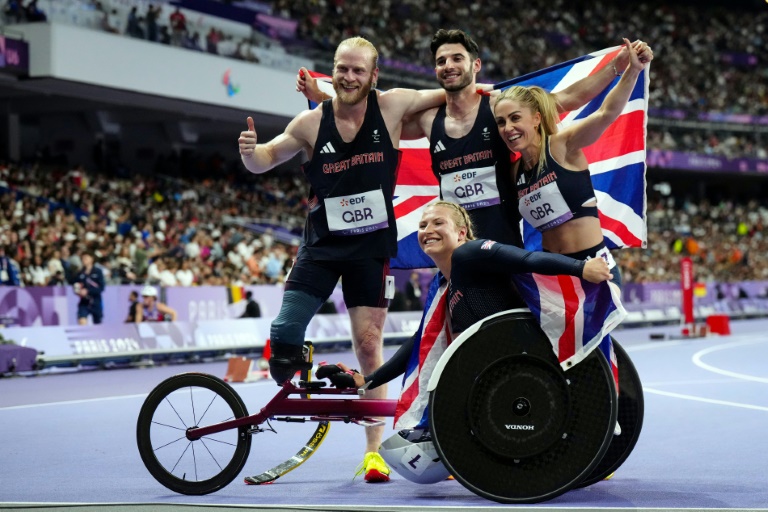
[{"x": 614, "y": 69}]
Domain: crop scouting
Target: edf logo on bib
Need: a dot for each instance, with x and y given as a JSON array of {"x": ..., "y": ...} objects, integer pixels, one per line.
[
  {"x": 529, "y": 200},
  {"x": 353, "y": 200},
  {"x": 469, "y": 190},
  {"x": 357, "y": 214}
]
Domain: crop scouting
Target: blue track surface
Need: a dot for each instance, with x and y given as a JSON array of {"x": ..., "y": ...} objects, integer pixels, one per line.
[{"x": 70, "y": 438}]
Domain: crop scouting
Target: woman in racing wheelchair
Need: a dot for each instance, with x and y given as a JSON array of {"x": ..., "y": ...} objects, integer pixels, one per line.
[{"x": 474, "y": 283}]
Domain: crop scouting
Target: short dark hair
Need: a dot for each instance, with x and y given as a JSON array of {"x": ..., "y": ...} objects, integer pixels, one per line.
[
  {"x": 454, "y": 36},
  {"x": 248, "y": 294}
]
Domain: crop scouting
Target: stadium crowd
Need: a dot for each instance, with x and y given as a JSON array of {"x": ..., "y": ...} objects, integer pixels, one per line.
[
  {"x": 146, "y": 229},
  {"x": 710, "y": 56},
  {"x": 730, "y": 144},
  {"x": 727, "y": 241}
]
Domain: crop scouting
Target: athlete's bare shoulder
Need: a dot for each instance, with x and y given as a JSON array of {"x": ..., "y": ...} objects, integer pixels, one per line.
[{"x": 305, "y": 125}]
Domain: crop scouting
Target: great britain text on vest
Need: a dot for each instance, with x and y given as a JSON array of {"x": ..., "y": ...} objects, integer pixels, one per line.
[
  {"x": 544, "y": 180},
  {"x": 343, "y": 165},
  {"x": 466, "y": 159}
]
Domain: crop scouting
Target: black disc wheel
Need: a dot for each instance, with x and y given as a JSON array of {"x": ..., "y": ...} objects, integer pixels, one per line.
[
  {"x": 631, "y": 412},
  {"x": 184, "y": 402},
  {"x": 507, "y": 421}
]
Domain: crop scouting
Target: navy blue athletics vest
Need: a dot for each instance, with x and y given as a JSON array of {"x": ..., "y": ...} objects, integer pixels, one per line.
[
  {"x": 341, "y": 175},
  {"x": 475, "y": 171},
  {"x": 573, "y": 187}
]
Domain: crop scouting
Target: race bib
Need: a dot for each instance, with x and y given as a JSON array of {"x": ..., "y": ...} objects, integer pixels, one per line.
[
  {"x": 606, "y": 255},
  {"x": 3, "y": 276},
  {"x": 356, "y": 214},
  {"x": 545, "y": 207},
  {"x": 471, "y": 188}
]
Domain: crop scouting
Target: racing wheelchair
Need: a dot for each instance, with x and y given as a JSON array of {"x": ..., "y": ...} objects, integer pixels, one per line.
[{"x": 506, "y": 420}]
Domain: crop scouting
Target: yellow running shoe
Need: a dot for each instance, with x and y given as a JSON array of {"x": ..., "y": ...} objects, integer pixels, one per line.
[{"x": 374, "y": 467}]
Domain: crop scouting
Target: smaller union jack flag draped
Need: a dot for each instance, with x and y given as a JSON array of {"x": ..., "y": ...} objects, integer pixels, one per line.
[
  {"x": 432, "y": 338},
  {"x": 576, "y": 315}
]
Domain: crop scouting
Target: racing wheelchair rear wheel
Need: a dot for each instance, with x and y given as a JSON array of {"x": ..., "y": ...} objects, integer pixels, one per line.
[{"x": 508, "y": 422}]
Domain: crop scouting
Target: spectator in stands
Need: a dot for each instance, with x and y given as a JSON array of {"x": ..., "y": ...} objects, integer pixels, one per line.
[
  {"x": 164, "y": 37},
  {"x": 133, "y": 308},
  {"x": 252, "y": 308},
  {"x": 192, "y": 42},
  {"x": 38, "y": 274},
  {"x": 14, "y": 10},
  {"x": 168, "y": 273},
  {"x": 413, "y": 293},
  {"x": 212, "y": 40},
  {"x": 133, "y": 25},
  {"x": 57, "y": 279},
  {"x": 185, "y": 276},
  {"x": 227, "y": 47},
  {"x": 151, "y": 309},
  {"x": 154, "y": 269},
  {"x": 153, "y": 14},
  {"x": 34, "y": 13},
  {"x": 110, "y": 22},
  {"x": 9, "y": 272},
  {"x": 178, "y": 23},
  {"x": 89, "y": 285}
]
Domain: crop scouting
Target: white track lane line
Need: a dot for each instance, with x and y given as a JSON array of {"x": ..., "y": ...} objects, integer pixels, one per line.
[
  {"x": 102, "y": 399},
  {"x": 705, "y": 400},
  {"x": 697, "y": 360}
]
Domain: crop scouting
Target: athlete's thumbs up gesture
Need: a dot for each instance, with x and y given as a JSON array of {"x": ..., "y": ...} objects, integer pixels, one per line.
[{"x": 247, "y": 139}]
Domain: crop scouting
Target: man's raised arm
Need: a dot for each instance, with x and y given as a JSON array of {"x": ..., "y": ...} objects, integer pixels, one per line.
[{"x": 259, "y": 158}]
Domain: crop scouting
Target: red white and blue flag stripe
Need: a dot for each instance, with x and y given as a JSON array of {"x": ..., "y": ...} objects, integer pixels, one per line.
[
  {"x": 576, "y": 315},
  {"x": 432, "y": 338}
]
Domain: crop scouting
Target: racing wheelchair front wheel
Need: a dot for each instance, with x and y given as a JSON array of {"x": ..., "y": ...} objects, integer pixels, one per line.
[
  {"x": 508, "y": 423},
  {"x": 182, "y": 402}
]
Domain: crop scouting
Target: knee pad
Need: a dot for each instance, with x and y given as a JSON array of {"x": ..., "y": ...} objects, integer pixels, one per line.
[
  {"x": 287, "y": 333},
  {"x": 291, "y": 323}
]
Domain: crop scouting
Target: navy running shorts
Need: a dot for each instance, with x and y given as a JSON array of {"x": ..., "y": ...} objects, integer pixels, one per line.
[{"x": 363, "y": 281}]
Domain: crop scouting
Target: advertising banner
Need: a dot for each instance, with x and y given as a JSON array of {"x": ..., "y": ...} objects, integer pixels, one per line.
[{"x": 14, "y": 55}]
